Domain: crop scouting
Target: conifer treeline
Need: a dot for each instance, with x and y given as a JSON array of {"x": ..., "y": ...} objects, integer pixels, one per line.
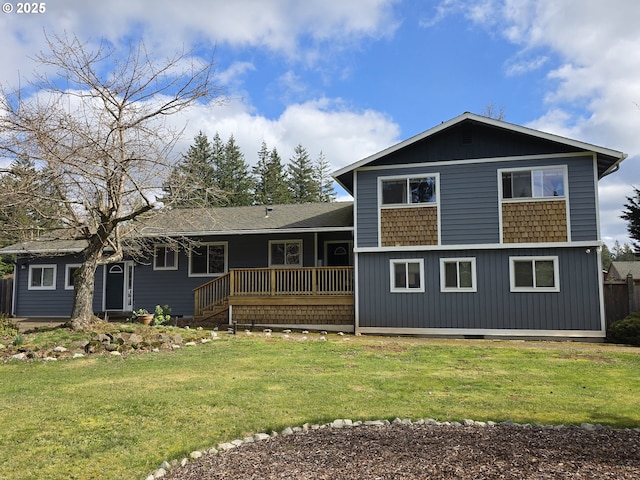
[{"x": 216, "y": 174}]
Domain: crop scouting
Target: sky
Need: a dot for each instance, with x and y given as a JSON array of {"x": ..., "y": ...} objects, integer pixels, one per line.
[{"x": 349, "y": 78}]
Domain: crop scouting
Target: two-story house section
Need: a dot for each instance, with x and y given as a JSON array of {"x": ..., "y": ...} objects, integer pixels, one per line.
[{"x": 478, "y": 227}]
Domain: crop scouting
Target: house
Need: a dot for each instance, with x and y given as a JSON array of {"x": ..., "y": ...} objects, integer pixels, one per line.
[
  {"x": 476, "y": 227},
  {"x": 620, "y": 270},
  {"x": 273, "y": 265}
]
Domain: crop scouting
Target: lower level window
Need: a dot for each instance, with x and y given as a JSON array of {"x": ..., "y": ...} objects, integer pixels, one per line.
[
  {"x": 407, "y": 275},
  {"x": 42, "y": 277},
  {"x": 458, "y": 274},
  {"x": 534, "y": 274}
]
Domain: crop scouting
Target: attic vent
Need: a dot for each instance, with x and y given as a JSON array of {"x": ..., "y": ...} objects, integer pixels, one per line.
[{"x": 467, "y": 134}]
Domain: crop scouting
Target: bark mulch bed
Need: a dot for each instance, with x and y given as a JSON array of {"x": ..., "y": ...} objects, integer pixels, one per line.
[{"x": 419, "y": 451}]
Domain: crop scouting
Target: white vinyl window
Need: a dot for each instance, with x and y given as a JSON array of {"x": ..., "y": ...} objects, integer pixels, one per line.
[
  {"x": 548, "y": 182},
  {"x": 407, "y": 275},
  {"x": 165, "y": 258},
  {"x": 42, "y": 277},
  {"x": 534, "y": 274},
  {"x": 208, "y": 260},
  {"x": 69, "y": 275},
  {"x": 458, "y": 275},
  {"x": 285, "y": 253},
  {"x": 409, "y": 190}
]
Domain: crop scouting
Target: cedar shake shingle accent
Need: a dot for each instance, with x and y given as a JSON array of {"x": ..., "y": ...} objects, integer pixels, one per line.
[
  {"x": 534, "y": 222},
  {"x": 409, "y": 226},
  {"x": 294, "y": 314}
]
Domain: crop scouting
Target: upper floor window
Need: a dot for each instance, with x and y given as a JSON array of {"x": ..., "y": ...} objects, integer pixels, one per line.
[
  {"x": 42, "y": 277},
  {"x": 412, "y": 190},
  {"x": 534, "y": 183},
  {"x": 208, "y": 259},
  {"x": 165, "y": 258}
]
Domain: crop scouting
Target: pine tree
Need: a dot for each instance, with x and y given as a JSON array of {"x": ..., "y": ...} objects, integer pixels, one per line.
[
  {"x": 325, "y": 182},
  {"x": 632, "y": 216},
  {"x": 192, "y": 181},
  {"x": 303, "y": 185},
  {"x": 270, "y": 179},
  {"x": 232, "y": 175}
]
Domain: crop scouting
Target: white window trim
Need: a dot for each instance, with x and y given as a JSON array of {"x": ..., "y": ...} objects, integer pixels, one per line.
[
  {"x": 55, "y": 275},
  {"x": 556, "y": 274},
  {"x": 295, "y": 240},
  {"x": 68, "y": 282},
  {"x": 406, "y": 178},
  {"x": 565, "y": 178},
  {"x": 393, "y": 262},
  {"x": 457, "y": 260},
  {"x": 226, "y": 260},
  {"x": 155, "y": 256}
]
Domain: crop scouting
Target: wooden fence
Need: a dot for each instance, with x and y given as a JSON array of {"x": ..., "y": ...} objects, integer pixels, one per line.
[
  {"x": 6, "y": 295},
  {"x": 621, "y": 297}
]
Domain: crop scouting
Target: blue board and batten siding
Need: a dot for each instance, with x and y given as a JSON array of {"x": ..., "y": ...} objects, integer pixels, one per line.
[{"x": 493, "y": 306}]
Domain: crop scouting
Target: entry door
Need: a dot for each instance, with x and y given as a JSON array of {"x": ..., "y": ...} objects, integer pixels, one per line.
[
  {"x": 339, "y": 254},
  {"x": 119, "y": 287}
]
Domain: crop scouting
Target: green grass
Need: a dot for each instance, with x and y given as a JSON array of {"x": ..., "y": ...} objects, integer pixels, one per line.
[{"x": 114, "y": 418}]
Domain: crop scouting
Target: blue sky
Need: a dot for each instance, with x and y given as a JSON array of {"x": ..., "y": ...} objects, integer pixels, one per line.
[{"x": 352, "y": 77}]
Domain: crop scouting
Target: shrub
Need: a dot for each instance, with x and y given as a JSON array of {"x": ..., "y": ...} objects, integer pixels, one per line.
[
  {"x": 8, "y": 328},
  {"x": 161, "y": 315},
  {"x": 626, "y": 330}
]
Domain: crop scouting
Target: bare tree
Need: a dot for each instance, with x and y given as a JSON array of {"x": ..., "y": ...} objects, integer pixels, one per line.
[
  {"x": 491, "y": 111},
  {"x": 97, "y": 126}
]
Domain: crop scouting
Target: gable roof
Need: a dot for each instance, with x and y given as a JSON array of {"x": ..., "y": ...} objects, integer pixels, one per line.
[
  {"x": 608, "y": 160},
  {"x": 306, "y": 217},
  {"x": 620, "y": 270}
]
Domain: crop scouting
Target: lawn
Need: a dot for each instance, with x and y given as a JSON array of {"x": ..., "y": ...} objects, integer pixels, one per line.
[{"x": 120, "y": 417}]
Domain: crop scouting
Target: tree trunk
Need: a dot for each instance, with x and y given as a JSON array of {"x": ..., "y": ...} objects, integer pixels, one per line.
[{"x": 82, "y": 317}]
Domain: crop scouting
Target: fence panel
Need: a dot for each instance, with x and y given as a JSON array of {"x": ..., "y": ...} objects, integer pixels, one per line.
[{"x": 6, "y": 295}]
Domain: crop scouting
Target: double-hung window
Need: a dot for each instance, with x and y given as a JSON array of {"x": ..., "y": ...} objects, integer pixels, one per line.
[
  {"x": 534, "y": 274},
  {"x": 208, "y": 259},
  {"x": 458, "y": 275},
  {"x": 285, "y": 253},
  {"x": 407, "y": 275},
  {"x": 165, "y": 258},
  {"x": 409, "y": 191},
  {"x": 42, "y": 277},
  {"x": 545, "y": 182}
]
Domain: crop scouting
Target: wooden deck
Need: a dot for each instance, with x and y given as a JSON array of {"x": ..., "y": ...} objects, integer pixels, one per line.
[{"x": 320, "y": 297}]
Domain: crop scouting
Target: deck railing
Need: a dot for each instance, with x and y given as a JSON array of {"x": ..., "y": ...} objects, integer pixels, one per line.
[{"x": 303, "y": 281}]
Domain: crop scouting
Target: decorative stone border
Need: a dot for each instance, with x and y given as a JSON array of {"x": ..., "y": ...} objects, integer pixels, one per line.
[{"x": 345, "y": 423}]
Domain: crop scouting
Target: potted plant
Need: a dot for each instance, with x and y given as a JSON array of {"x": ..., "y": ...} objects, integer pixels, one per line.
[
  {"x": 142, "y": 316},
  {"x": 161, "y": 314}
]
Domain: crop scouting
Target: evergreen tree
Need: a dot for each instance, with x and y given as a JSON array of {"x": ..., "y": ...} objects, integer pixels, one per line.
[
  {"x": 606, "y": 257},
  {"x": 325, "y": 182},
  {"x": 192, "y": 181},
  {"x": 623, "y": 253},
  {"x": 303, "y": 185},
  {"x": 270, "y": 179},
  {"x": 632, "y": 216},
  {"x": 232, "y": 175}
]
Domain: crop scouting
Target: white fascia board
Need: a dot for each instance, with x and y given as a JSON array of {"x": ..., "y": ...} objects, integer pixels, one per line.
[
  {"x": 487, "y": 246},
  {"x": 219, "y": 233}
]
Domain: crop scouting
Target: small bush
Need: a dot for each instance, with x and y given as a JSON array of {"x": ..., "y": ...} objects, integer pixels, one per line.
[
  {"x": 626, "y": 330},
  {"x": 8, "y": 328}
]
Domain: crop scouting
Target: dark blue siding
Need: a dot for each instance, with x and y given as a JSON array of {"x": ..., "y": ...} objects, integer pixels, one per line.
[
  {"x": 493, "y": 306},
  {"x": 469, "y": 199},
  {"x": 50, "y": 303}
]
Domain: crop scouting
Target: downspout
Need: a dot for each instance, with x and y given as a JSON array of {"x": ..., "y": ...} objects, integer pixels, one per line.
[{"x": 13, "y": 288}]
